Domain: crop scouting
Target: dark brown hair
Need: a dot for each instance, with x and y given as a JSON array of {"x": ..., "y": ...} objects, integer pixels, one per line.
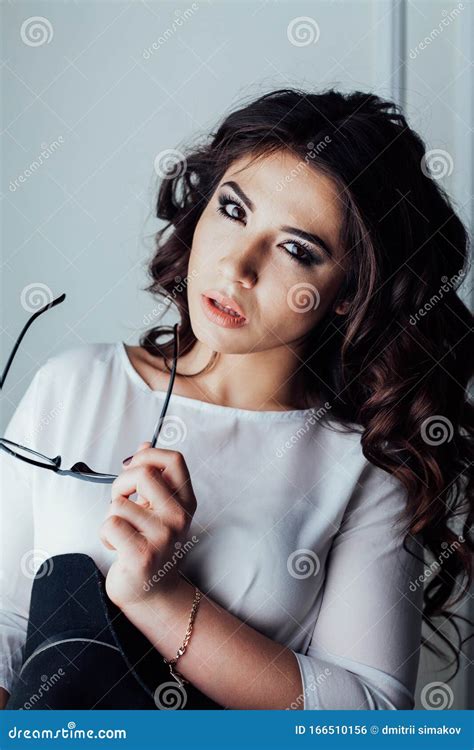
[{"x": 401, "y": 360}]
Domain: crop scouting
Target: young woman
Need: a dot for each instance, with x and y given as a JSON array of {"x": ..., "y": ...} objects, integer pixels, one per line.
[{"x": 320, "y": 434}]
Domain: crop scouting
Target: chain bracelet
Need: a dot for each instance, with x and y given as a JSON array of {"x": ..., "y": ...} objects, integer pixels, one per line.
[{"x": 171, "y": 662}]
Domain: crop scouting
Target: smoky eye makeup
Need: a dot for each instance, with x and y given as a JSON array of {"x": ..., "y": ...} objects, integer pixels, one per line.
[{"x": 231, "y": 208}]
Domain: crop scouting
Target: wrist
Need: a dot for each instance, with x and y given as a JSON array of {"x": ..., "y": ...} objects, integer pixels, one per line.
[
  {"x": 160, "y": 588},
  {"x": 164, "y": 619},
  {"x": 174, "y": 664},
  {"x": 164, "y": 608}
]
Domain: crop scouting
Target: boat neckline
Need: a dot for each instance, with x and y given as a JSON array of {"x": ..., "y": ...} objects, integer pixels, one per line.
[{"x": 206, "y": 405}]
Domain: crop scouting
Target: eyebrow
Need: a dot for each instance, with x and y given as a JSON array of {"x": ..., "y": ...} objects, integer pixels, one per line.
[{"x": 301, "y": 233}]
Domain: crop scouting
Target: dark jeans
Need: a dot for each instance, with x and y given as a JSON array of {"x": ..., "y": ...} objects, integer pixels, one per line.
[{"x": 81, "y": 652}]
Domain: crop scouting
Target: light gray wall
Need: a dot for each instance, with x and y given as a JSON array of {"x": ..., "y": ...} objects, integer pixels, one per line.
[
  {"x": 78, "y": 223},
  {"x": 115, "y": 84}
]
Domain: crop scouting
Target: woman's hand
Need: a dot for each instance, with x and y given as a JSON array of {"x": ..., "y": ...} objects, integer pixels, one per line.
[{"x": 146, "y": 533}]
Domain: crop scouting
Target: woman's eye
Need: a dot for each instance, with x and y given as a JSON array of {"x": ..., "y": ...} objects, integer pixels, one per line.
[
  {"x": 229, "y": 208},
  {"x": 303, "y": 254}
]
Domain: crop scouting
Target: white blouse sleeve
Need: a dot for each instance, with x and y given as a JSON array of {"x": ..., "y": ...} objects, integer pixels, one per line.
[
  {"x": 16, "y": 538},
  {"x": 364, "y": 650}
]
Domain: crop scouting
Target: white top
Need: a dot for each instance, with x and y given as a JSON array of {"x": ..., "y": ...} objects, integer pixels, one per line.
[{"x": 296, "y": 531}]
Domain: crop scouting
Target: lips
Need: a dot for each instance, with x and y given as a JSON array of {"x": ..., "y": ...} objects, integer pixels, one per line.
[{"x": 225, "y": 301}]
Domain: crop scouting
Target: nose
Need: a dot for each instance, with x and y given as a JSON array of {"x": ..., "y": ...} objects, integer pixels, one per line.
[{"x": 239, "y": 266}]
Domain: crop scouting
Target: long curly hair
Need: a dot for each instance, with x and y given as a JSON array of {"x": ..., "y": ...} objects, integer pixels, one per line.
[{"x": 401, "y": 360}]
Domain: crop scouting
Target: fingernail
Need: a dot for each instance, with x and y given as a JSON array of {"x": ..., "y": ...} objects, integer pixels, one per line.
[{"x": 126, "y": 461}]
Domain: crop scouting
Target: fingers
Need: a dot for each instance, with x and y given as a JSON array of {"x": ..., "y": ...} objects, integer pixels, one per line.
[
  {"x": 147, "y": 482},
  {"x": 154, "y": 528},
  {"x": 140, "y": 500},
  {"x": 139, "y": 517},
  {"x": 116, "y": 533},
  {"x": 172, "y": 467}
]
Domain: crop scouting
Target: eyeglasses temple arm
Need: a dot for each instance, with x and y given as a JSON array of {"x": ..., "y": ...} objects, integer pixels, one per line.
[
  {"x": 57, "y": 301},
  {"x": 170, "y": 388}
]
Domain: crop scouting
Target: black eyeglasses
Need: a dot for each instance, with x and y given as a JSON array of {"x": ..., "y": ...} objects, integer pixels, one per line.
[{"x": 80, "y": 470}]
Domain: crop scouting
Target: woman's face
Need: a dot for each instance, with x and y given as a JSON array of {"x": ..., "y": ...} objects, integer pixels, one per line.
[{"x": 248, "y": 245}]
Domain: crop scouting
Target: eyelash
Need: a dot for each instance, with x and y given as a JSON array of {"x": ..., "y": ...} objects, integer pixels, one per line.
[{"x": 311, "y": 260}]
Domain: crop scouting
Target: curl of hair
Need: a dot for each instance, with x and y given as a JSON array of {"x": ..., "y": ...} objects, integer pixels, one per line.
[{"x": 401, "y": 359}]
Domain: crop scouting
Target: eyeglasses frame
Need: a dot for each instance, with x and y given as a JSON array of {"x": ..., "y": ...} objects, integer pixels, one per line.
[{"x": 80, "y": 470}]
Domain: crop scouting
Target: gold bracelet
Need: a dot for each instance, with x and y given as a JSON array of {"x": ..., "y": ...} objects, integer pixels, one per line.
[{"x": 171, "y": 662}]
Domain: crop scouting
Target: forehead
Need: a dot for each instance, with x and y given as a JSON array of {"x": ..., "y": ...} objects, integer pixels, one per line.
[{"x": 294, "y": 191}]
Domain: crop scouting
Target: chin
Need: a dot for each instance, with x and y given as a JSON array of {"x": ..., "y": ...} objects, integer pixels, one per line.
[{"x": 217, "y": 339}]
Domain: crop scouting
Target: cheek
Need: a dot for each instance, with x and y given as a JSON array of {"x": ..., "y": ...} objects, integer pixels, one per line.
[
  {"x": 293, "y": 307},
  {"x": 292, "y": 324},
  {"x": 286, "y": 309},
  {"x": 313, "y": 296},
  {"x": 205, "y": 244},
  {"x": 304, "y": 298}
]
